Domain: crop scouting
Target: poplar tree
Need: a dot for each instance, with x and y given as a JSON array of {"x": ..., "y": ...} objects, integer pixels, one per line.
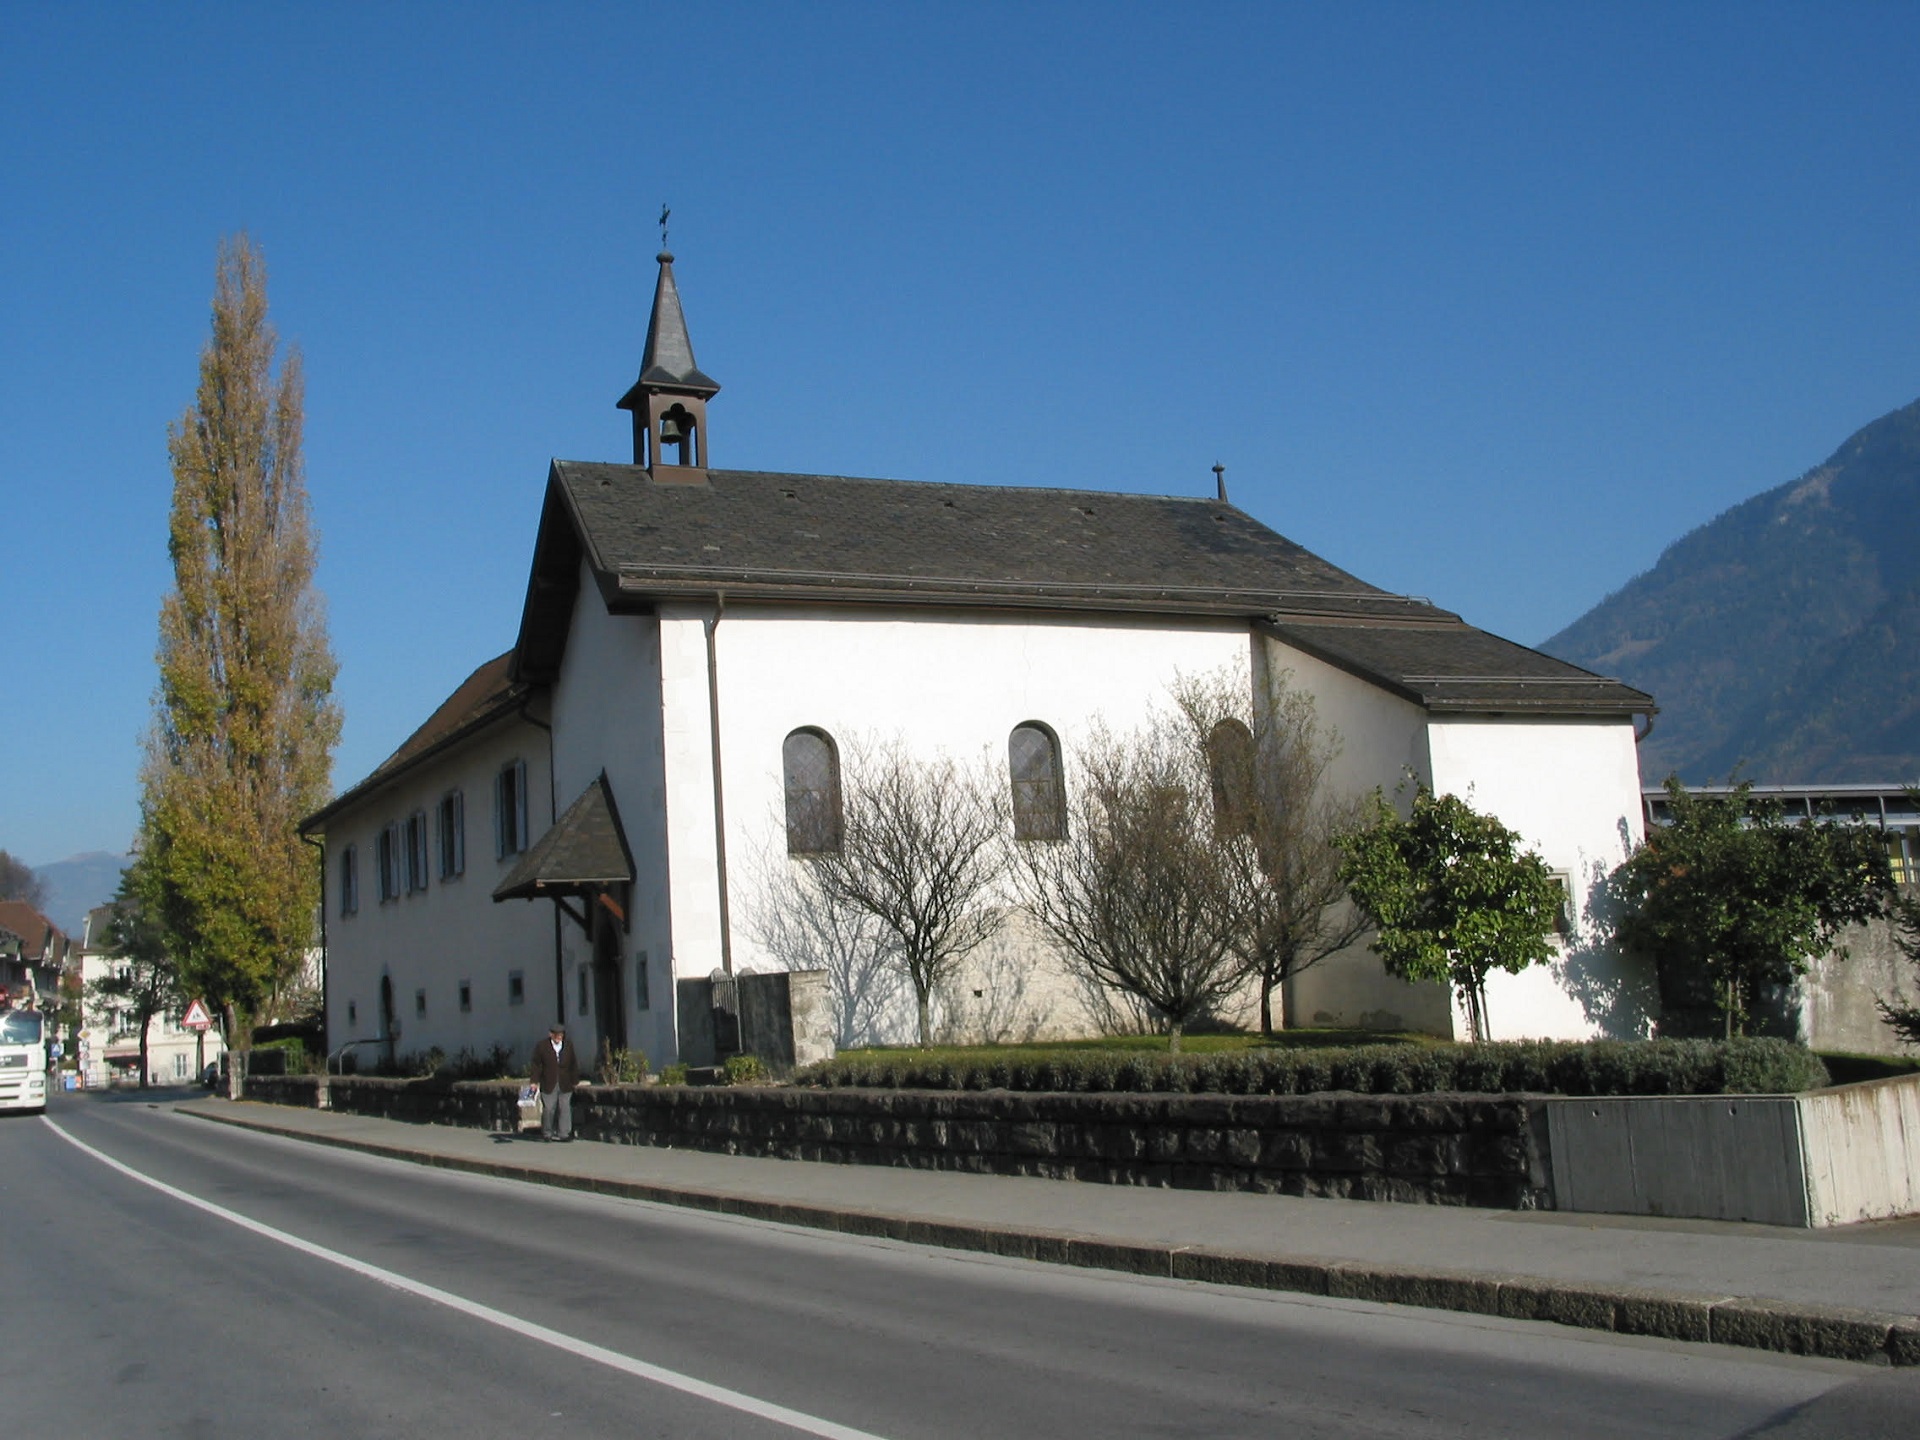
[{"x": 244, "y": 721}]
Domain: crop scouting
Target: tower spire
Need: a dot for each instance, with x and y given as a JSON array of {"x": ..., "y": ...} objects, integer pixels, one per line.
[{"x": 669, "y": 400}]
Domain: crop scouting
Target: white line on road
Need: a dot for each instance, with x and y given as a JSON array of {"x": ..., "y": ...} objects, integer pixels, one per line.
[{"x": 586, "y": 1349}]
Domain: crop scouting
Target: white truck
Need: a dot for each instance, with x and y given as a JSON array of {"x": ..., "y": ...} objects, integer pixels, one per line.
[{"x": 23, "y": 1060}]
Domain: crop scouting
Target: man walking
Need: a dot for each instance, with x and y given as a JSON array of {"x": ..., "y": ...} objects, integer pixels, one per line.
[{"x": 556, "y": 1070}]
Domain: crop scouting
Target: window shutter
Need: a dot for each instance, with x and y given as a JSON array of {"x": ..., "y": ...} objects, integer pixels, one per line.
[
  {"x": 499, "y": 812},
  {"x": 520, "y": 810}
]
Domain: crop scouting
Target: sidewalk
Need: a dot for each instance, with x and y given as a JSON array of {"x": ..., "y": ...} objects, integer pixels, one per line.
[{"x": 1847, "y": 1293}]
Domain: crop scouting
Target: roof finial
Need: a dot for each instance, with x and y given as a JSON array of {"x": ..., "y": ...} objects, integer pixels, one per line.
[
  {"x": 1220, "y": 478},
  {"x": 664, "y": 213}
]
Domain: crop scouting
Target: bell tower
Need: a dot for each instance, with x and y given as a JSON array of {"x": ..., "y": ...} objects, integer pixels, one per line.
[{"x": 669, "y": 400}]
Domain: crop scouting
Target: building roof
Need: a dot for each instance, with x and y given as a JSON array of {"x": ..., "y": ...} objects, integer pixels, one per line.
[
  {"x": 40, "y": 939},
  {"x": 835, "y": 539},
  {"x": 487, "y": 695},
  {"x": 584, "y": 849},
  {"x": 1444, "y": 664}
]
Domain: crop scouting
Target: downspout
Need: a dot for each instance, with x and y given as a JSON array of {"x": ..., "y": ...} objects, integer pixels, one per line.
[
  {"x": 553, "y": 814},
  {"x": 326, "y": 970},
  {"x": 719, "y": 782}
]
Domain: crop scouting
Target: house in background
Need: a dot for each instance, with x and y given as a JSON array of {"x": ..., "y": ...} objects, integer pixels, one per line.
[
  {"x": 701, "y": 650},
  {"x": 109, "y": 1052},
  {"x": 1834, "y": 1005},
  {"x": 32, "y": 951}
]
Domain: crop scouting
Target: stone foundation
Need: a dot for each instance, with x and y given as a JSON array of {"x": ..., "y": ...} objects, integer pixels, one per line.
[{"x": 1429, "y": 1149}]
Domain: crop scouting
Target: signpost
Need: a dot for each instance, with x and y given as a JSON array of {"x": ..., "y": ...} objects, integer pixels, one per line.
[{"x": 197, "y": 1020}]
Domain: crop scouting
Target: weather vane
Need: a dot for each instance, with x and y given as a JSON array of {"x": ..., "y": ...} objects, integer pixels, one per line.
[{"x": 664, "y": 213}]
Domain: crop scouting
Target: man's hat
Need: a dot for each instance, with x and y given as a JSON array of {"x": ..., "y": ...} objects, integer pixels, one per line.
[{"x": 556, "y": 1028}]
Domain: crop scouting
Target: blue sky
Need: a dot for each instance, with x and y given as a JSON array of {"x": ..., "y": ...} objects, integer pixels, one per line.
[{"x": 1486, "y": 303}]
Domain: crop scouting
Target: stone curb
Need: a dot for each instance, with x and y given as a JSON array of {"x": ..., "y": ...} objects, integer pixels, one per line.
[{"x": 1830, "y": 1332}]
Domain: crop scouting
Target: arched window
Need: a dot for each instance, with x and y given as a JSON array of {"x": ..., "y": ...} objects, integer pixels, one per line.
[
  {"x": 812, "y": 770},
  {"x": 1039, "y": 799},
  {"x": 1230, "y": 764}
]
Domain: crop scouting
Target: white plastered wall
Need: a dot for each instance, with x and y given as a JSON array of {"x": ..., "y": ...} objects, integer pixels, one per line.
[
  {"x": 607, "y": 716},
  {"x": 955, "y": 683},
  {"x": 452, "y": 931},
  {"x": 1383, "y": 740},
  {"x": 1572, "y": 789}
]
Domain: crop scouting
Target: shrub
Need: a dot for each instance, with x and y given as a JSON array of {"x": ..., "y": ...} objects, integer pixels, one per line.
[
  {"x": 621, "y": 1066},
  {"x": 674, "y": 1075},
  {"x": 747, "y": 1070},
  {"x": 1600, "y": 1067}
]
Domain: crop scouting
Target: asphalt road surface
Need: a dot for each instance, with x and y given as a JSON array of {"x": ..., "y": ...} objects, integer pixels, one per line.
[{"x": 214, "y": 1282}]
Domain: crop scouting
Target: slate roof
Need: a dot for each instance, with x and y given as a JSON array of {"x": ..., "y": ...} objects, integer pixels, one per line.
[
  {"x": 1447, "y": 665},
  {"x": 585, "y": 847},
  {"x": 667, "y": 361},
  {"x": 483, "y": 697},
  {"x": 829, "y": 538}
]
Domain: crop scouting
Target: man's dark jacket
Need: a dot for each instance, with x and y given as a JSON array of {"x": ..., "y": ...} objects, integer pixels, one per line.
[{"x": 551, "y": 1071}]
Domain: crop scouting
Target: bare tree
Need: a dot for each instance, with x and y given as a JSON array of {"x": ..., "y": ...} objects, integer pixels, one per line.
[
  {"x": 922, "y": 852},
  {"x": 1267, "y": 763},
  {"x": 18, "y": 881},
  {"x": 802, "y": 928},
  {"x": 1139, "y": 894}
]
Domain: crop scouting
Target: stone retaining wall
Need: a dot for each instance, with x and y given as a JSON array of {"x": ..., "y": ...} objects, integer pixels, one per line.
[{"x": 1436, "y": 1149}]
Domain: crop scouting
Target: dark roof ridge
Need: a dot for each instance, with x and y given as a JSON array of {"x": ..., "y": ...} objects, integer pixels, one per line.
[{"x": 716, "y": 472}]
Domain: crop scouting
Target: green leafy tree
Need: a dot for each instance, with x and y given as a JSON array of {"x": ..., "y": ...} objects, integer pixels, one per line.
[
  {"x": 1734, "y": 893},
  {"x": 244, "y": 721},
  {"x": 141, "y": 981},
  {"x": 1451, "y": 895}
]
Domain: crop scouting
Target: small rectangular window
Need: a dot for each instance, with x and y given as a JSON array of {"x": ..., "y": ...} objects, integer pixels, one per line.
[
  {"x": 420, "y": 1004},
  {"x": 642, "y": 993},
  {"x": 453, "y": 834},
  {"x": 349, "y": 881},
  {"x": 466, "y": 997},
  {"x": 585, "y": 999},
  {"x": 516, "y": 988},
  {"x": 353, "y": 1012},
  {"x": 1563, "y": 913}
]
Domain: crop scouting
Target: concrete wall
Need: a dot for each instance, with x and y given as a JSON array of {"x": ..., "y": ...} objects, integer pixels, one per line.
[
  {"x": 1861, "y": 1146},
  {"x": 1831, "y": 1157},
  {"x": 1836, "y": 998},
  {"x": 452, "y": 931}
]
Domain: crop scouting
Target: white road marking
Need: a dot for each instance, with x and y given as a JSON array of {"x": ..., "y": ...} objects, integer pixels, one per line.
[{"x": 586, "y": 1349}]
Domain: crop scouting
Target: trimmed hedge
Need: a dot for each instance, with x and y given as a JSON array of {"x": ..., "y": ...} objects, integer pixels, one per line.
[{"x": 1599, "y": 1067}]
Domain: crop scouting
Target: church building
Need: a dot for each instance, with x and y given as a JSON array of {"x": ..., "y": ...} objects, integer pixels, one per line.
[{"x": 603, "y": 810}]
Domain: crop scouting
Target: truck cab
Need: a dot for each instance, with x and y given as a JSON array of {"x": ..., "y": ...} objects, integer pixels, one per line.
[{"x": 23, "y": 1060}]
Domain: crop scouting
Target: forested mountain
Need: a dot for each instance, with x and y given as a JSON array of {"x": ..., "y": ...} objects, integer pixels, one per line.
[{"x": 1782, "y": 638}]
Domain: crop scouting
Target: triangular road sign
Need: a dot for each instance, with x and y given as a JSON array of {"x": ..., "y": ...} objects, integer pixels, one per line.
[{"x": 196, "y": 1017}]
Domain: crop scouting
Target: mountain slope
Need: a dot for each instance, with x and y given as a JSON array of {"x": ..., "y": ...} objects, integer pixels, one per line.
[
  {"x": 77, "y": 884},
  {"x": 1783, "y": 637}
]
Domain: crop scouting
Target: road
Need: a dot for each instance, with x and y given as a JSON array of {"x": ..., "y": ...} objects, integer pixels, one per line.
[{"x": 288, "y": 1289}]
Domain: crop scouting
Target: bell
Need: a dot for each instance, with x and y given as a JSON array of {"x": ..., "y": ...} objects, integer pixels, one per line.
[{"x": 672, "y": 429}]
